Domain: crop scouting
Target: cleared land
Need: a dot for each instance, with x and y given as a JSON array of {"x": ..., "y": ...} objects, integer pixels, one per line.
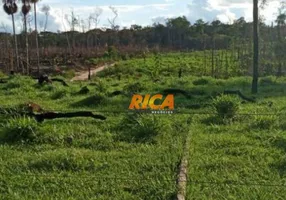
[{"x": 132, "y": 156}]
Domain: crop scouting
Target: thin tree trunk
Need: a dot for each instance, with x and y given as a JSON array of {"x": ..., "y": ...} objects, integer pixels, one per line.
[
  {"x": 254, "y": 89},
  {"x": 16, "y": 45},
  {"x": 213, "y": 49},
  {"x": 279, "y": 56},
  {"x": 46, "y": 23},
  {"x": 37, "y": 42},
  {"x": 27, "y": 45}
]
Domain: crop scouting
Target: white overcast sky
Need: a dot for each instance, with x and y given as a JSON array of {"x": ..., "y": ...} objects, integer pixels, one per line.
[{"x": 144, "y": 12}]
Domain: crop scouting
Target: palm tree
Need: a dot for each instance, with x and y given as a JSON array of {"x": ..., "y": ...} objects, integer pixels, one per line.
[
  {"x": 10, "y": 7},
  {"x": 36, "y": 30},
  {"x": 254, "y": 89},
  {"x": 25, "y": 10}
]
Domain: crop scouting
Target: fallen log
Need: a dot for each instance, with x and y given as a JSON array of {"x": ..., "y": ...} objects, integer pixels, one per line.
[
  {"x": 60, "y": 81},
  {"x": 46, "y": 115},
  {"x": 52, "y": 115},
  {"x": 177, "y": 91},
  {"x": 237, "y": 92}
]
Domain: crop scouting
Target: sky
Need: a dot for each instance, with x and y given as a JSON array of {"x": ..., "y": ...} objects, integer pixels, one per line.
[{"x": 141, "y": 12}]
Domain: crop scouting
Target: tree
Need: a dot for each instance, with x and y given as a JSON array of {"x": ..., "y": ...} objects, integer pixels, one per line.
[
  {"x": 74, "y": 23},
  {"x": 254, "y": 88},
  {"x": 256, "y": 23},
  {"x": 113, "y": 20},
  {"x": 180, "y": 26},
  {"x": 200, "y": 26},
  {"x": 10, "y": 7},
  {"x": 36, "y": 34},
  {"x": 25, "y": 10},
  {"x": 94, "y": 18}
]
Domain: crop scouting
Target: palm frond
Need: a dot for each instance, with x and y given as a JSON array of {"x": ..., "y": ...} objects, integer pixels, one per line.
[
  {"x": 14, "y": 8},
  {"x": 26, "y": 9},
  {"x": 7, "y": 9}
]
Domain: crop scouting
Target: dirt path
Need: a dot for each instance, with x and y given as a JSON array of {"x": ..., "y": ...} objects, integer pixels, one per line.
[{"x": 83, "y": 75}]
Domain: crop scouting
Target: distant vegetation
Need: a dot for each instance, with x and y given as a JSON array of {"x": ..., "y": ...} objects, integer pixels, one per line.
[{"x": 217, "y": 38}]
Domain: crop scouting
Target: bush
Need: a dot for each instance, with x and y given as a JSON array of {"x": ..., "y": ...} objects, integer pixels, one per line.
[
  {"x": 140, "y": 128},
  {"x": 101, "y": 86},
  {"x": 19, "y": 129},
  {"x": 226, "y": 106},
  {"x": 201, "y": 81}
]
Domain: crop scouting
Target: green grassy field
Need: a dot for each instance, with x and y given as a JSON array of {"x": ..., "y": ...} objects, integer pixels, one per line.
[{"x": 136, "y": 156}]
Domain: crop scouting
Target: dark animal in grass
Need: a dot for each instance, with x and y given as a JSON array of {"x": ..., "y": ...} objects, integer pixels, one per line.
[
  {"x": 45, "y": 79},
  {"x": 177, "y": 91},
  {"x": 33, "y": 107},
  {"x": 36, "y": 111}
]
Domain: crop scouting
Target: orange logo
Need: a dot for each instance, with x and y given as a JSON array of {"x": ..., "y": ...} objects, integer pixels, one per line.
[{"x": 139, "y": 102}]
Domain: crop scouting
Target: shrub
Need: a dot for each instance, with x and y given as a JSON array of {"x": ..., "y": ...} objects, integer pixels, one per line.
[
  {"x": 101, "y": 86},
  {"x": 201, "y": 81},
  {"x": 19, "y": 129},
  {"x": 226, "y": 106},
  {"x": 140, "y": 128}
]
